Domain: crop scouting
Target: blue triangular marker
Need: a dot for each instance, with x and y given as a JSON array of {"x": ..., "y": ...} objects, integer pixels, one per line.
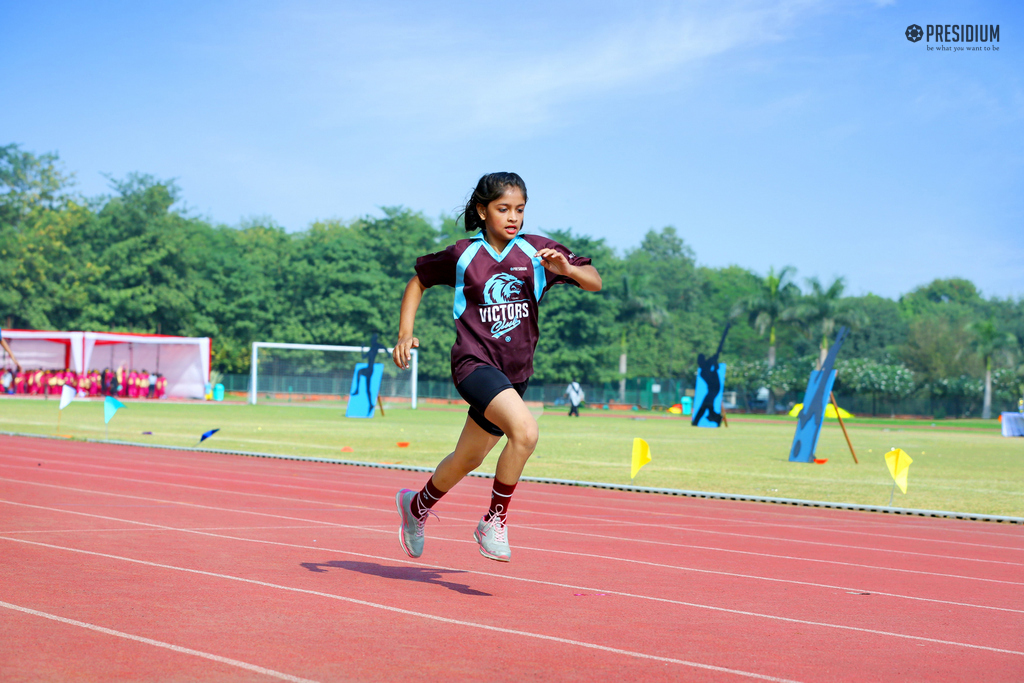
[
  {"x": 110, "y": 406},
  {"x": 207, "y": 435}
]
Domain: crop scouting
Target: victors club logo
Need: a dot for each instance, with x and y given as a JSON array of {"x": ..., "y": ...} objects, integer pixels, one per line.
[{"x": 503, "y": 304}]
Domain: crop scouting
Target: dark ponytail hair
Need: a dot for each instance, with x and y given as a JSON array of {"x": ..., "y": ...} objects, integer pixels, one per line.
[{"x": 490, "y": 187}]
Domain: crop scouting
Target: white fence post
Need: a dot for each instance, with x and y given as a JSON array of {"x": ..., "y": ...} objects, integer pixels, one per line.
[
  {"x": 415, "y": 376},
  {"x": 253, "y": 375}
]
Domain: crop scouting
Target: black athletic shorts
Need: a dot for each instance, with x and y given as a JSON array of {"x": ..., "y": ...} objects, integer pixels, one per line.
[{"x": 480, "y": 388}]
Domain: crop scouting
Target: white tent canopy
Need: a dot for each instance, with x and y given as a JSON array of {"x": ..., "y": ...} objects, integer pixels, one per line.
[
  {"x": 46, "y": 349},
  {"x": 184, "y": 361}
]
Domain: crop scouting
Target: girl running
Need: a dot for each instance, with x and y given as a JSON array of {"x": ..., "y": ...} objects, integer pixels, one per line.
[{"x": 499, "y": 276}]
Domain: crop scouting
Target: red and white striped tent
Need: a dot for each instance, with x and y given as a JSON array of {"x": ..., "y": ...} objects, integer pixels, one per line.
[
  {"x": 45, "y": 349},
  {"x": 184, "y": 361}
]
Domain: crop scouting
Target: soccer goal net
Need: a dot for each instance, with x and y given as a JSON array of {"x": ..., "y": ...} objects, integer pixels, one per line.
[{"x": 317, "y": 370}]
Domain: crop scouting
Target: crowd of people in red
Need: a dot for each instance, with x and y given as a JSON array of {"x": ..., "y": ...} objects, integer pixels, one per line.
[{"x": 120, "y": 382}]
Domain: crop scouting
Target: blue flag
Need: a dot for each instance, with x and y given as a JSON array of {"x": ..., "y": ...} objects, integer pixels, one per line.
[
  {"x": 110, "y": 406},
  {"x": 207, "y": 435}
]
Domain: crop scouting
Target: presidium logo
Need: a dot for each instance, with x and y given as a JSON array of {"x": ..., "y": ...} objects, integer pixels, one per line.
[{"x": 956, "y": 33}]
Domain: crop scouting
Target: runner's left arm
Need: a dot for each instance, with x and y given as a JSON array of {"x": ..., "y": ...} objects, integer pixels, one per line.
[{"x": 586, "y": 276}]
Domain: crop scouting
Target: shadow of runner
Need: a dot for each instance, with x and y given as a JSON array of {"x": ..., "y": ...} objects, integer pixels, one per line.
[{"x": 417, "y": 574}]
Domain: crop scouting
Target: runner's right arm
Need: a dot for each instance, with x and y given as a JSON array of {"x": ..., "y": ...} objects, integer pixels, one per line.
[
  {"x": 410, "y": 304},
  {"x": 3, "y": 343}
]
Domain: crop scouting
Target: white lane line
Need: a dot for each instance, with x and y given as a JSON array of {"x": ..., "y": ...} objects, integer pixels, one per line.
[
  {"x": 411, "y": 613},
  {"x": 61, "y": 531},
  {"x": 764, "y": 538},
  {"x": 159, "y": 527},
  {"x": 205, "y": 489},
  {"x": 212, "y": 528},
  {"x": 726, "y": 610},
  {"x": 773, "y": 556},
  {"x": 771, "y": 511},
  {"x": 718, "y": 572},
  {"x": 717, "y": 521},
  {"x": 686, "y": 546},
  {"x": 158, "y": 643},
  {"x": 366, "y": 473},
  {"x": 575, "y": 505},
  {"x": 719, "y": 532},
  {"x": 550, "y": 514}
]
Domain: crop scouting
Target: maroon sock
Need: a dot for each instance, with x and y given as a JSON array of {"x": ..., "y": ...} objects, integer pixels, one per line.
[
  {"x": 501, "y": 496},
  {"x": 425, "y": 499}
]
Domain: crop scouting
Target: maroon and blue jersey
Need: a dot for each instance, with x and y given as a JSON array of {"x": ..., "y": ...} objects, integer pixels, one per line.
[{"x": 496, "y": 298}]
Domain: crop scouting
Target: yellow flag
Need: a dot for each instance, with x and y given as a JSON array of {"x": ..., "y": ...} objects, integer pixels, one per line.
[
  {"x": 899, "y": 464},
  {"x": 830, "y": 411},
  {"x": 641, "y": 456}
]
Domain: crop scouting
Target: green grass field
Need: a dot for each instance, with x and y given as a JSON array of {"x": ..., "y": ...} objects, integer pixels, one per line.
[{"x": 959, "y": 465}]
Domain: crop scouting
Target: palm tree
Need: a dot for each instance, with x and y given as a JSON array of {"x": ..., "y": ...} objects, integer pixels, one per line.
[
  {"x": 765, "y": 307},
  {"x": 988, "y": 341},
  {"x": 821, "y": 310}
]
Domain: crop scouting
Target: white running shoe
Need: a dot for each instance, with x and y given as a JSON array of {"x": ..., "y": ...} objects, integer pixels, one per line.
[
  {"x": 493, "y": 539},
  {"x": 410, "y": 534}
]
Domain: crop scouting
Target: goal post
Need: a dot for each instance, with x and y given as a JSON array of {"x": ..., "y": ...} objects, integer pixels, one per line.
[{"x": 339, "y": 369}]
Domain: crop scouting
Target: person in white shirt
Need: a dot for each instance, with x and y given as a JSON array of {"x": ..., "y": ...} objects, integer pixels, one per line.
[{"x": 575, "y": 393}]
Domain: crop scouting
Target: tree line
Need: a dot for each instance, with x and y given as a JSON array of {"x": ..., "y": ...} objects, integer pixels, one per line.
[{"x": 135, "y": 260}]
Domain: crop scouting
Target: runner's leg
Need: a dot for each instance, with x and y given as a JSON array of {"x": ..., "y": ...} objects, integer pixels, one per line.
[
  {"x": 509, "y": 412},
  {"x": 473, "y": 446}
]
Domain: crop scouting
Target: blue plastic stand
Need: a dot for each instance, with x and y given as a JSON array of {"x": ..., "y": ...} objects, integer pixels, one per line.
[
  {"x": 812, "y": 415},
  {"x": 700, "y": 393},
  {"x": 362, "y": 398}
]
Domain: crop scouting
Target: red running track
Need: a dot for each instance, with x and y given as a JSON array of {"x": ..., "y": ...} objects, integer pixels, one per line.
[{"x": 126, "y": 564}]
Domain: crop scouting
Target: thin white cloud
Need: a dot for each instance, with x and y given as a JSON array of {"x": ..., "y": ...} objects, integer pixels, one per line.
[
  {"x": 638, "y": 54},
  {"x": 443, "y": 77}
]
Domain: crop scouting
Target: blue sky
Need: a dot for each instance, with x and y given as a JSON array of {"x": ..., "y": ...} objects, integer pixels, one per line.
[{"x": 799, "y": 133}]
